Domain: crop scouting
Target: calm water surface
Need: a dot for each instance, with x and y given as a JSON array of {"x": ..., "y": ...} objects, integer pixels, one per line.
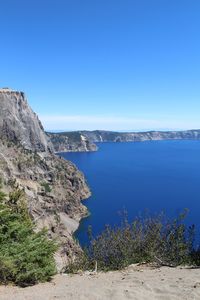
[{"x": 157, "y": 176}]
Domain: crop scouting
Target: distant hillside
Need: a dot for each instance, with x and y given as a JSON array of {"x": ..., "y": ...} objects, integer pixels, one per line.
[
  {"x": 73, "y": 141},
  {"x": 111, "y": 136},
  {"x": 84, "y": 140}
]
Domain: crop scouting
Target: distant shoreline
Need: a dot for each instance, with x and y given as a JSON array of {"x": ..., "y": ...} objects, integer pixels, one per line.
[{"x": 85, "y": 141}]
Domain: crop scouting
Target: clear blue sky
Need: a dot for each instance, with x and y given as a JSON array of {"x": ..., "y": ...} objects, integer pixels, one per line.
[{"x": 106, "y": 64}]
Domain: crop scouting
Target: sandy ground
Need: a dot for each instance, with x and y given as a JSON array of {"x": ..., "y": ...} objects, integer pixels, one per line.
[{"x": 136, "y": 282}]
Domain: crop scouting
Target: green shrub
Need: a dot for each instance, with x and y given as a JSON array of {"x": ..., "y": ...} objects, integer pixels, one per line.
[
  {"x": 149, "y": 239},
  {"x": 195, "y": 257},
  {"x": 26, "y": 257},
  {"x": 46, "y": 187}
]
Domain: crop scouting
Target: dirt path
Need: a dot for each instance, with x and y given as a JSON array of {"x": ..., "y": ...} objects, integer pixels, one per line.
[{"x": 137, "y": 282}]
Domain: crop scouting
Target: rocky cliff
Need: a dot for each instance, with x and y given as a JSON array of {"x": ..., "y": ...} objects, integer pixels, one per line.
[
  {"x": 18, "y": 123},
  {"x": 54, "y": 187},
  {"x": 71, "y": 142}
]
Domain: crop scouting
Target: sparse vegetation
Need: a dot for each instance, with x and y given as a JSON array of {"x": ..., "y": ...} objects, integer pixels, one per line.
[
  {"x": 145, "y": 240},
  {"x": 73, "y": 136},
  {"x": 46, "y": 187}
]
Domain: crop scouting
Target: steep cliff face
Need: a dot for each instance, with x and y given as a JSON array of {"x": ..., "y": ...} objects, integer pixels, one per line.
[
  {"x": 71, "y": 142},
  {"x": 18, "y": 123},
  {"x": 54, "y": 187}
]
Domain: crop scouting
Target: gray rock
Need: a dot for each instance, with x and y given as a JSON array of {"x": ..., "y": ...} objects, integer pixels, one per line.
[{"x": 18, "y": 123}]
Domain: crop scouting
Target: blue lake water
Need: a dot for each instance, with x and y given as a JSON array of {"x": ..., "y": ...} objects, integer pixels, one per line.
[{"x": 157, "y": 176}]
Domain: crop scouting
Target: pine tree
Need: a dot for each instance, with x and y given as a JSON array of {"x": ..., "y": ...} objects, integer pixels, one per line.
[{"x": 26, "y": 257}]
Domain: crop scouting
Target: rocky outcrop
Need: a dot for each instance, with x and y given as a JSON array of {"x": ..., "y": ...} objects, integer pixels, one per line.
[
  {"x": 18, "y": 123},
  {"x": 53, "y": 186},
  {"x": 71, "y": 142}
]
